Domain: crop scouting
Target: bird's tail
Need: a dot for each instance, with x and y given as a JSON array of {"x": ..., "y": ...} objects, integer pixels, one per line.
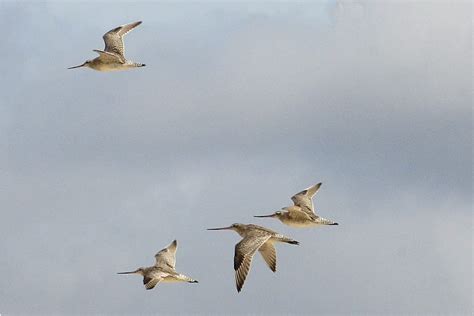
[
  {"x": 184, "y": 278},
  {"x": 288, "y": 240},
  {"x": 324, "y": 221}
]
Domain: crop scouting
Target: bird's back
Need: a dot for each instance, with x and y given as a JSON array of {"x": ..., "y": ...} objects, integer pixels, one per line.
[{"x": 255, "y": 229}]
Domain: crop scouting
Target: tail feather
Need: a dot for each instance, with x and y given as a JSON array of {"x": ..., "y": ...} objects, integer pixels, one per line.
[
  {"x": 287, "y": 240},
  {"x": 185, "y": 278},
  {"x": 324, "y": 221}
]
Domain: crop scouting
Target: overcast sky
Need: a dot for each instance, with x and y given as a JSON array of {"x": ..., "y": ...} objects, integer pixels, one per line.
[{"x": 240, "y": 106}]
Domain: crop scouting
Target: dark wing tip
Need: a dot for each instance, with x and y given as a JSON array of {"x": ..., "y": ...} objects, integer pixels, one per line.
[{"x": 135, "y": 24}]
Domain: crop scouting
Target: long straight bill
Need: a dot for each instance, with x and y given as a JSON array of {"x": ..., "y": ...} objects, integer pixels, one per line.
[
  {"x": 271, "y": 215},
  {"x": 77, "y": 66},
  {"x": 222, "y": 228},
  {"x": 130, "y": 272}
]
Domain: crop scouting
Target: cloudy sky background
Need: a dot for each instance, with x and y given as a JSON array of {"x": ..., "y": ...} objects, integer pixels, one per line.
[{"x": 240, "y": 106}]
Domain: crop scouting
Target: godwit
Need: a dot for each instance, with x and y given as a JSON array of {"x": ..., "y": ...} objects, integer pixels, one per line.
[
  {"x": 254, "y": 238},
  {"x": 163, "y": 270},
  {"x": 301, "y": 214},
  {"x": 112, "y": 57}
]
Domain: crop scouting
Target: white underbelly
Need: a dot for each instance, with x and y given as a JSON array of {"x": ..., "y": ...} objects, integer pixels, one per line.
[
  {"x": 301, "y": 224},
  {"x": 111, "y": 67}
]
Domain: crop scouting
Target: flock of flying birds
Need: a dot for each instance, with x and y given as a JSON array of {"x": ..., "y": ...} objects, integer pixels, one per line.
[{"x": 254, "y": 237}]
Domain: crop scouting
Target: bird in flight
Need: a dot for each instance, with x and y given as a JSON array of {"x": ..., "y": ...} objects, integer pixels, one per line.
[
  {"x": 254, "y": 238},
  {"x": 163, "y": 270},
  {"x": 112, "y": 57},
  {"x": 302, "y": 213}
]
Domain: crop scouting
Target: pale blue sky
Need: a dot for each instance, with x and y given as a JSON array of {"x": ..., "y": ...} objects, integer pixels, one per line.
[{"x": 240, "y": 106}]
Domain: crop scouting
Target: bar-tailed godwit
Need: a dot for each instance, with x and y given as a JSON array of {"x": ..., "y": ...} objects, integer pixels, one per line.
[
  {"x": 302, "y": 213},
  {"x": 163, "y": 270},
  {"x": 112, "y": 57},
  {"x": 254, "y": 238}
]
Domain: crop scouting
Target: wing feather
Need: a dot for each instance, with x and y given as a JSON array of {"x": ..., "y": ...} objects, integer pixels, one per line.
[
  {"x": 114, "y": 39},
  {"x": 150, "y": 282},
  {"x": 166, "y": 258},
  {"x": 304, "y": 199},
  {"x": 108, "y": 57},
  {"x": 244, "y": 252},
  {"x": 268, "y": 252}
]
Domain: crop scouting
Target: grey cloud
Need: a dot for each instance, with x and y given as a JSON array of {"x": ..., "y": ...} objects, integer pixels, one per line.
[{"x": 240, "y": 106}]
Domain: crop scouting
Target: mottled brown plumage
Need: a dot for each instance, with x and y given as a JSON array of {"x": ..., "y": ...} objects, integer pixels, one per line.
[
  {"x": 254, "y": 238},
  {"x": 113, "y": 55},
  {"x": 163, "y": 270},
  {"x": 302, "y": 213}
]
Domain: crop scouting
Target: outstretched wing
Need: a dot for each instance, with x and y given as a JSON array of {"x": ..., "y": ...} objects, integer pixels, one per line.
[
  {"x": 166, "y": 258},
  {"x": 268, "y": 252},
  {"x": 304, "y": 199},
  {"x": 244, "y": 252},
  {"x": 114, "y": 39}
]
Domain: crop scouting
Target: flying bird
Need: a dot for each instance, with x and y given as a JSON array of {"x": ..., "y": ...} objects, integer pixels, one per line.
[
  {"x": 163, "y": 270},
  {"x": 254, "y": 238},
  {"x": 112, "y": 57},
  {"x": 302, "y": 213}
]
